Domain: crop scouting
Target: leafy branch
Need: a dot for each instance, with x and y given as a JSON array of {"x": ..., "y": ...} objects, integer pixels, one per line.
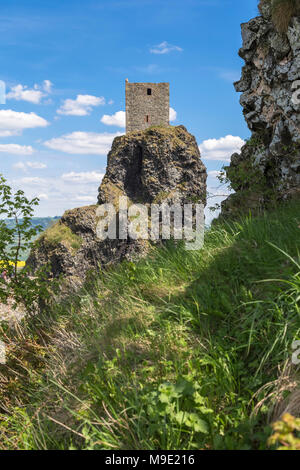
[{"x": 15, "y": 239}]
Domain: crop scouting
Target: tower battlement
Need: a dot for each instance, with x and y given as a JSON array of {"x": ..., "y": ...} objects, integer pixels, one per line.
[{"x": 147, "y": 104}]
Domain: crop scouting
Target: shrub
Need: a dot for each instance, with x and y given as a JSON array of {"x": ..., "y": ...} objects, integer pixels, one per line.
[
  {"x": 286, "y": 433},
  {"x": 16, "y": 239}
]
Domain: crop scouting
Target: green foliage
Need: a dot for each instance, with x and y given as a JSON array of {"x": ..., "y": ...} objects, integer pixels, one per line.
[
  {"x": 173, "y": 352},
  {"x": 286, "y": 433},
  {"x": 246, "y": 174},
  {"x": 255, "y": 142},
  {"x": 15, "y": 239},
  {"x": 180, "y": 405}
]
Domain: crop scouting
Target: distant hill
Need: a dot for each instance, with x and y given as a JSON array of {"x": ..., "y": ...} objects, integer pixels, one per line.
[{"x": 45, "y": 222}]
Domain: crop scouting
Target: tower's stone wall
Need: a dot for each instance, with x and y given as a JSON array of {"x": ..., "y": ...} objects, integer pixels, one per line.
[{"x": 147, "y": 104}]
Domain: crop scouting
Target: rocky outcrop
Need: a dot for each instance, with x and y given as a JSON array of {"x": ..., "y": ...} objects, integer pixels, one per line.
[
  {"x": 161, "y": 164},
  {"x": 268, "y": 167},
  {"x": 71, "y": 248}
]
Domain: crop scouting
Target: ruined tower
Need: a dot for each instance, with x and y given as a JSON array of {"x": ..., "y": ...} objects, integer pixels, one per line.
[{"x": 147, "y": 104}]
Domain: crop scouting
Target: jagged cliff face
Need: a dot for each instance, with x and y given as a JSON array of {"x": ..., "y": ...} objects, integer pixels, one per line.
[
  {"x": 161, "y": 164},
  {"x": 268, "y": 167}
]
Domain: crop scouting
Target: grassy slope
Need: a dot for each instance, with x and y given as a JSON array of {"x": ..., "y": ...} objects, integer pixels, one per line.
[{"x": 165, "y": 354}]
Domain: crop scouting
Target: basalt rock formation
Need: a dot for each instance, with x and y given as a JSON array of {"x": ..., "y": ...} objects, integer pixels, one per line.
[
  {"x": 268, "y": 167},
  {"x": 161, "y": 164}
]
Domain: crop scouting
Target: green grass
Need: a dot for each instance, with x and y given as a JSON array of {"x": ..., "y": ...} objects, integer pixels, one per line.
[
  {"x": 182, "y": 350},
  {"x": 60, "y": 233}
]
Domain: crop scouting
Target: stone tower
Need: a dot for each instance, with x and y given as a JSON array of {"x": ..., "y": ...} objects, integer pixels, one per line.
[{"x": 147, "y": 104}]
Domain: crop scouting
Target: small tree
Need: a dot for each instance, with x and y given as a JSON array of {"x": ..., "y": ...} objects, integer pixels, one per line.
[{"x": 15, "y": 239}]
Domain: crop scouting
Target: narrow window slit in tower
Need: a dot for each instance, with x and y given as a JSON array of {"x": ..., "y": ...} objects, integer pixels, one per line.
[
  {"x": 147, "y": 118},
  {"x": 149, "y": 91}
]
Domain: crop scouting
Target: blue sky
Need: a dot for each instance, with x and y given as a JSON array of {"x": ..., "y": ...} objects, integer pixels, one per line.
[{"x": 64, "y": 63}]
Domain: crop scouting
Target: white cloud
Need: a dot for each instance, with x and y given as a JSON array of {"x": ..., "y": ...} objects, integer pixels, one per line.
[
  {"x": 86, "y": 199},
  {"x": 218, "y": 192},
  {"x": 58, "y": 194},
  {"x": 36, "y": 165},
  {"x": 47, "y": 85},
  {"x": 33, "y": 165},
  {"x": 164, "y": 48},
  {"x": 214, "y": 173},
  {"x": 15, "y": 149},
  {"x": 19, "y": 166},
  {"x": 32, "y": 180},
  {"x": 43, "y": 197},
  {"x": 22, "y": 93},
  {"x": 33, "y": 95},
  {"x": 221, "y": 149},
  {"x": 13, "y": 122},
  {"x": 118, "y": 119},
  {"x": 81, "y": 106},
  {"x": 84, "y": 177},
  {"x": 173, "y": 115},
  {"x": 83, "y": 143}
]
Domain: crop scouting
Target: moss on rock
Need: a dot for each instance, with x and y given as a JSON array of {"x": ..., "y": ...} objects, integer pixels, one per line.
[{"x": 60, "y": 233}]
